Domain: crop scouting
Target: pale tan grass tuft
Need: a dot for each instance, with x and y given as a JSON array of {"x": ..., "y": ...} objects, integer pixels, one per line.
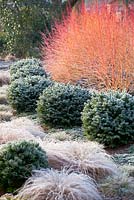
[
  {"x": 128, "y": 169},
  {"x": 9, "y": 135},
  {"x": 4, "y": 107},
  {"x": 4, "y": 78},
  {"x": 3, "y": 94},
  {"x": 5, "y": 116},
  {"x": 54, "y": 185},
  {"x": 3, "y": 89},
  {"x": 17, "y": 129},
  {"x": 3, "y": 99},
  {"x": 87, "y": 157},
  {"x": 58, "y": 136},
  {"x": 7, "y": 197},
  {"x": 121, "y": 185}
]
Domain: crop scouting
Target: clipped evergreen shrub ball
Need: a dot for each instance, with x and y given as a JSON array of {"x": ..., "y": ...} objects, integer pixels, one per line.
[
  {"x": 109, "y": 118},
  {"x": 23, "y": 93},
  {"x": 61, "y": 105},
  {"x": 17, "y": 161},
  {"x": 26, "y": 67},
  {"x": 23, "y": 62}
]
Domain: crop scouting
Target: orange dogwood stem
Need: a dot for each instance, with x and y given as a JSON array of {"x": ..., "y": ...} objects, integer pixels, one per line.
[{"x": 97, "y": 46}]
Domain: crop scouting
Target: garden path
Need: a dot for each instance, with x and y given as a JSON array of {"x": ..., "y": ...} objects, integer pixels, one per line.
[{"x": 5, "y": 64}]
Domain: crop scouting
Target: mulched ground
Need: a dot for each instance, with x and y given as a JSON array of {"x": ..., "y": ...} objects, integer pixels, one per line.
[{"x": 123, "y": 149}]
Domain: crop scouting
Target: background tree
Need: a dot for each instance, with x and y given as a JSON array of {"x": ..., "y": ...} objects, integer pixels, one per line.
[{"x": 23, "y": 21}]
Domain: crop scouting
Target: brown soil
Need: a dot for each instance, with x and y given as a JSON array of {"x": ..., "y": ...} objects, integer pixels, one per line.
[
  {"x": 120, "y": 150},
  {"x": 1, "y": 192}
]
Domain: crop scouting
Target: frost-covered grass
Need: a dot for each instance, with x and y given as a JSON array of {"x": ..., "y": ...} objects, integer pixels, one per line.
[
  {"x": 3, "y": 89},
  {"x": 57, "y": 135},
  {"x": 121, "y": 185},
  {"x": 54, "y": 185},
  {"x": 126, "y": 158},
  {"x": 4, "y": 78},
  {"x": 5, "y": 110},
  {"x": 3, "y": 94},
  {"x": 17, "y": 129},
  {"x": 5, "y": 116},
  {"x": 7, "y": 197},
  {"x": 129, "y": 169},
  {"x": 87, "y": 157},
  {"x": 3, "y": 99},
  {"x": 4, "y": 107}
]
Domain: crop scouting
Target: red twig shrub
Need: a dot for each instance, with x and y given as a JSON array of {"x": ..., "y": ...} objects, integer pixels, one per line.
[{"x": 97, "y": 45}]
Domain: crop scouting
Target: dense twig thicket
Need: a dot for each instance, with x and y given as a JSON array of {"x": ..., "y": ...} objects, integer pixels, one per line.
[{"x": 97, "y": 46}]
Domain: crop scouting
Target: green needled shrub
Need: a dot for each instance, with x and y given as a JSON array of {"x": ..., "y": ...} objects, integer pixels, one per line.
[
  {"x": 17, "y": 161},
  {"x": 26, "y": 67},
  {"x": 19, "y": 64},
  {"x": 109, "y": 118},
  {"x": 24, "y": 92},
  {"x": 61, "y": 105}
]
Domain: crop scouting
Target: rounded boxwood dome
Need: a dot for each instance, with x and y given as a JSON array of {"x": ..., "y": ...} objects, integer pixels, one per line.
[
  {"x": 61, "y": 105},
  {"x": 109, "y": 118}
]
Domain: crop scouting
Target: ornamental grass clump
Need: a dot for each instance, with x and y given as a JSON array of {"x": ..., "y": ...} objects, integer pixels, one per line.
[
  {"x": 52, "y": 185},
  {"x": 4, "y": 78},
  {"x": 24, "y": 93},
  {"x": 7, "y": 197},
  {"x": 121, "y": 185},
  {"x": 3, "y": 94},
  {"x": 87, "y": 157},
  {"x": 109, "y": 118},
  {"x": 17, "y": 161},
  {"x": 94, "y": 45},
  {"x": 18, "y": 129},
  {"x": 61, "y": 105}
]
